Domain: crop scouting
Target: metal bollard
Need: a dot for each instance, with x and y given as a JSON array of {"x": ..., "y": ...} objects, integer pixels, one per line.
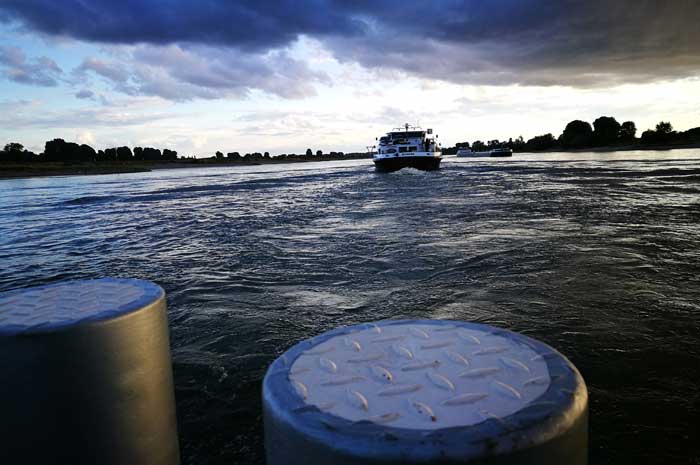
[
  {"x": 424, "y": 392},
  {"x": 86, "y": 375}
]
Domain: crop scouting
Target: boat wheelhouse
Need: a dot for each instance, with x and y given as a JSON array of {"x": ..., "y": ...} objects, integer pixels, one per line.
[{"x": 408, "y": 147}]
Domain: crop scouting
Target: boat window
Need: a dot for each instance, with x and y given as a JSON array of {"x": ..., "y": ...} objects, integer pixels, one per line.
[
  {"x": 403, "y": 149},
  {"x": 412, "y": 149},
  {"x": 412, "y": 134},
  {"x": 391, "y": 151}
]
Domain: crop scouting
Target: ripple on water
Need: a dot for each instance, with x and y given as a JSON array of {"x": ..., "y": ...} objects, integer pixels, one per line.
[{"x": 594, "y": 254}]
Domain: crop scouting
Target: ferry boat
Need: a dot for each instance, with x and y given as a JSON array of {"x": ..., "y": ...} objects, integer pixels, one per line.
[
  {"x": 500, "y": 152},
  {"x": 408, "y": 147}
]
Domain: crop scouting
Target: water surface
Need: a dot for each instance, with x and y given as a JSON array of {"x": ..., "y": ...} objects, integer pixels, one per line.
[{"x": 595, "y": 254}]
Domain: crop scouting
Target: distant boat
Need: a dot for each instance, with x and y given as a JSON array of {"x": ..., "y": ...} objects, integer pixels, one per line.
[
  {"x": 501, "y": 152},
  {"x": 408, "y": 147}
]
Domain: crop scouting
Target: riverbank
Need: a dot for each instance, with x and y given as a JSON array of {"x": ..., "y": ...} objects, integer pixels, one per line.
[
  {"x": 31, "y": 170},
  {"x": 627, "y": 148}
]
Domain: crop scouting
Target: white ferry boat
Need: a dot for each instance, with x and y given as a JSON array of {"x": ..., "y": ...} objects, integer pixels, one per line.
[
  {"x": 502, "y": 152},
  {"x": 408, "y": 147}
]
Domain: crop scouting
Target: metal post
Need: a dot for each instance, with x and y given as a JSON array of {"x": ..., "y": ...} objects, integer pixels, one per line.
[
  {"x": 424, "y": 392},
  {"x": 86, "y": 375}
]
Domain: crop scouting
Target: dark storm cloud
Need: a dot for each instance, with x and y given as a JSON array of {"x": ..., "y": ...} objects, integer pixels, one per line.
[
  {"x": 252, "y": 24},
  {"x": 567, "y": 42},
  {"x": 570, "y": 42}
]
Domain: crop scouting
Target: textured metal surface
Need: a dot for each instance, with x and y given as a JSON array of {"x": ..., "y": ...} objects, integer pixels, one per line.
[
  {"x": 419, "y": 376},
  {"x": 424, "y": 391},
  {"x": 55, "y": 306},
  {"x": 87, "y": 376}
]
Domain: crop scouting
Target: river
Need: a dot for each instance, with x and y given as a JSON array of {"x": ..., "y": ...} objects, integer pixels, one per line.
[{"x": 595, "y": 254}]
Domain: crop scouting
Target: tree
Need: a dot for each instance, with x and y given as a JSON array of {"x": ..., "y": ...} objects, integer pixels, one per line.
[
  {"x": 15, "y": 152},
  {"x": 577, "y": 134},
  {"x": 266, "y": 155},
  {"x": 649, "y": 137},
  {"x": 628, "y": 131},
  {"x": 538, "y": 143},
  {"x": 54, "y": 150},
  {"x": 606, "y": 130},
  {"x": 319, "y": 153},
  {"x": 169, "y": 155},
  {"x": 138, "y": 153},
  {"x": 124, "y": 154},
  {"x": 478, "y": 146},
  {"x": 664, "y": 128},
  {"x": 87, "y": 153},
  {"x": 62, "y": 151},
  {"x": 518, "y": 145},
  {"x": 309, "y": 153},
  {"x": 14, "y": 147},
  {"x": 233, "y": 156},
  {"x": 111, "y": 154},
  {"x": 662, "y": 134},
  {"x": 151, "y": 154}
]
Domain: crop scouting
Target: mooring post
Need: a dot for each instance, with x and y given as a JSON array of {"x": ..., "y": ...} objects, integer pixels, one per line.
[
  {"x": 424, "y": 392},
  {"x": 86, "y": 375}
]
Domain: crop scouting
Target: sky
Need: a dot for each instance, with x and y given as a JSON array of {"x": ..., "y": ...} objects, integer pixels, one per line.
[{"x": 281, "y": 76}]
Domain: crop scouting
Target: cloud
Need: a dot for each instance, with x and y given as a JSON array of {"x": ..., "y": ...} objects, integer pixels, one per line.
[
  {"x": 85, "y": 94},
  {"x": 41, "y": 71},
  {"x": 579, "y": 43},
  {"x": 248, "y": 24},
  {"x": 181, "y": 73},
  {"x": 49, "y": 118},
  {"x": 570, "y": 42},
  {"x": 110, "y": 71},
  {"x": 85, "y": 137}
]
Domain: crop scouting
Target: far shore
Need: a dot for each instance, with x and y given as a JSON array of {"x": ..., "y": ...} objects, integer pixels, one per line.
[
  {"x": 32, "y": 170},
  {"x": 627, "y": 148}
]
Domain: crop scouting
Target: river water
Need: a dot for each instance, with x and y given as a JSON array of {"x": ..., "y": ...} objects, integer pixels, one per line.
[{"x": 595, "y": 254}]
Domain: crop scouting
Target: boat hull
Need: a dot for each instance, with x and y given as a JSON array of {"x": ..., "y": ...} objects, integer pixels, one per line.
[
  {"x": 390, "y": 164},
  {"x": 501, "y": 154},
  {"x": 486, "y": 155}
]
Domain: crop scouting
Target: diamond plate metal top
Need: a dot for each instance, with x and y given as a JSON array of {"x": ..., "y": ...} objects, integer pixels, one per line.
[
  {"x": 419, "y": 376},
  {"x": 55, "y": 306}
]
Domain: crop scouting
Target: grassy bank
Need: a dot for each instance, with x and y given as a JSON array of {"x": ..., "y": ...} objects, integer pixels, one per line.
[
  {"x": 37, "y": 169},
  {"x": 26, "y": 170},
  {"x": 628, "y": 148}
]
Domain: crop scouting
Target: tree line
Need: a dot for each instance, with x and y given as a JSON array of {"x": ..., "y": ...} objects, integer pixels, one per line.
[
  {"x": 309, "y": 155},
  {"x": 606, "y": 131},
  {"x": 58, "y": 150}
]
